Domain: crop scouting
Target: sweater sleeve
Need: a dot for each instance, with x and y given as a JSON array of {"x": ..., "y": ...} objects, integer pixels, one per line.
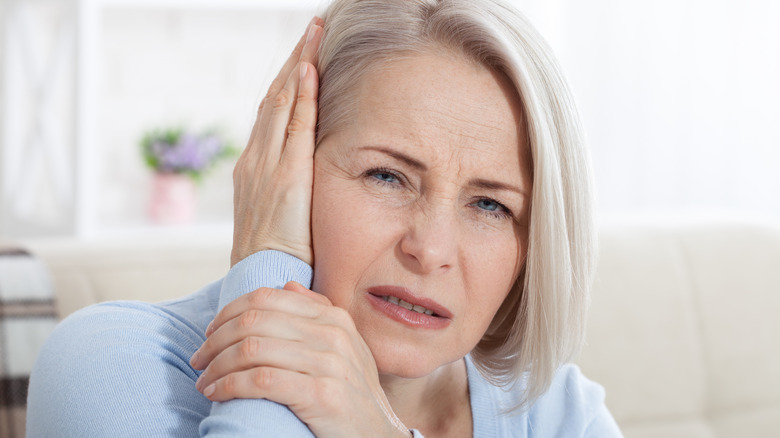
[
  {"x": 117, "y": 369},
  {"x": 121, "y": 369},
  {"x": 257, "y": 417}
]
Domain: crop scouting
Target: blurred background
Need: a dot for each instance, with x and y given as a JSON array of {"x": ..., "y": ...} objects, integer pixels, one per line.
[
  {"x": 679, "y": 100},
  {"x": 120, "y": 121}
]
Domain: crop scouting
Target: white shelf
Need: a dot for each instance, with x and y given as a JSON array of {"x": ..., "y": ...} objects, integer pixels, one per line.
[
  {"x": 196, "y": 231},
  {"x": 79, "y": 81},
  {"x": 90, "y": 27}
]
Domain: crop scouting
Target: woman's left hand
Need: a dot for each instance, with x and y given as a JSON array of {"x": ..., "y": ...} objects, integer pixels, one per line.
[{"x": 294, "y": 347}]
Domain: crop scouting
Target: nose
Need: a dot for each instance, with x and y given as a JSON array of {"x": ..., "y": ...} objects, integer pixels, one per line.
[{"x": 430, "y": 242}]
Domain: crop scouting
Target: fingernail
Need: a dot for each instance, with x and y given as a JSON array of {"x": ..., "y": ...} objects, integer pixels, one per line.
[
  {"x": 312, "y": 32},
  {"x": 209, "y": 390},
  {"x": 304, "y": 69},
  {"x": 209, "y": 329},
  {"x": 199, "y": 382},
  {"x": 195, "y": 358}
]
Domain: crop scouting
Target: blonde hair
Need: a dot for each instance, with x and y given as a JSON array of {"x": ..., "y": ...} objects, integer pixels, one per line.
[{"x": 541, "y": 323}]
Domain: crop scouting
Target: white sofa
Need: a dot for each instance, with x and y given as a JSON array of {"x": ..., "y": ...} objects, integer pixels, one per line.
[{"x": 684, "y": 331}]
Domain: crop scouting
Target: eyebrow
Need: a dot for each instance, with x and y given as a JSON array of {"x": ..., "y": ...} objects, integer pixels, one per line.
[
  {"x": 400, "y": 156},
  {"x": 495, "y": 185},
  {"x": 419, "y": 165}
]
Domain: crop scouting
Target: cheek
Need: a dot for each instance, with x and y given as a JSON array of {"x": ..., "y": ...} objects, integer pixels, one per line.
[
  {"x": 348, "y": 235},
  {"x": 339, "y": 218},
  {"x": 325, "y": 215},
  {"x": 495, "y": 268}
]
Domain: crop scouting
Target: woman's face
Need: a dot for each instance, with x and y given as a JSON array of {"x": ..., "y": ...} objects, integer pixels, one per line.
[{"x": 421, "y": 201}]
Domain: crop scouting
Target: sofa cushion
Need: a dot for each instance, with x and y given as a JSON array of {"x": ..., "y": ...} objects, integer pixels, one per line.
[
  {"x": 148, "y": 269},
  {"x": 735, "y": 275},
  {"x": 643, "y": 341},
  {"x": 684, "y": 326}
]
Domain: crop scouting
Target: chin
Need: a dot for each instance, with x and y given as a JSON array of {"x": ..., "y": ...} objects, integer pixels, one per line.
[{"x": 408, "y": 361}]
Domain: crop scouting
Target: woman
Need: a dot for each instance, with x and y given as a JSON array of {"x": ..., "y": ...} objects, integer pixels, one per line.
[{"x": 436, "y": 181}]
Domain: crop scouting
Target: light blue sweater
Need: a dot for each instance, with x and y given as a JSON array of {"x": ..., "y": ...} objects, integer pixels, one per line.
[{"x": 121, "y": 369}]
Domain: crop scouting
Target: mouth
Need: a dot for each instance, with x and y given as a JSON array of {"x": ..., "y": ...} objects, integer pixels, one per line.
[
  {"x": 403, "y": 306},
  {"x": 408, "y": 306}
]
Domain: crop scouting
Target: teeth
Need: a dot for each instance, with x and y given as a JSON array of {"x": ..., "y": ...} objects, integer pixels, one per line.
[{"x": 408, "y": 306}]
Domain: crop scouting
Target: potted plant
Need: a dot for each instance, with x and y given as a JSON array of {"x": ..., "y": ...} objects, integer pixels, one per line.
[{"x": 179, "y": 159}]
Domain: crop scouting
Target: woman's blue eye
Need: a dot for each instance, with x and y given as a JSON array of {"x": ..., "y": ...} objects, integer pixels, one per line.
[
  {"x": 489, "y": 205},
  {"x": 493, "y": 208},
  {"x": 385, "y": 177}
]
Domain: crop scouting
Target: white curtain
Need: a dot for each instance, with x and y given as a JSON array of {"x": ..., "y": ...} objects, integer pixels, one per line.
[{"x": 680, "y": 99}]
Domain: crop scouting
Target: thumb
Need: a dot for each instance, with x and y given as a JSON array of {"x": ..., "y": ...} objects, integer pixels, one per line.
[{"x": 294, "y": 286}]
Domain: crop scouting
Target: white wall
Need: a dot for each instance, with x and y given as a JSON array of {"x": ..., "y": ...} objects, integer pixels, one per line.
[
  {"x": 200, "y": 69},
  {"x": 197, "y": 67},
  {"x": 38, "y": 135},
  {"x": 679, "y": 98}
]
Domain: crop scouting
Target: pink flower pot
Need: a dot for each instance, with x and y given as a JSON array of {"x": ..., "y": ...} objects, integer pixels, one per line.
[{"x": 173, "y": 199}]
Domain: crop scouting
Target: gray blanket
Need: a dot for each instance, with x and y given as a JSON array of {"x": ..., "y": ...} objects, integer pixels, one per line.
[{"x": 27, "y": 316}]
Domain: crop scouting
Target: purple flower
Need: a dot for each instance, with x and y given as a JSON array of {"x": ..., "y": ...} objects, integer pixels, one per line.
[{"x": 189, "y": 154}]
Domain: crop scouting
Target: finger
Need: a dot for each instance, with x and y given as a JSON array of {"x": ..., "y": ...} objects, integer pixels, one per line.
[
  {"x": 312, "y": 45},
  {"x": 252, "y": 323},
  {"x": 292, "y": 61},
  {"x": 270, "y": 305},
  {"x": 294, "y": 286},
  {"x": 270, "y": 299},
  {"x": 284, "y": 102},
  {"x": 282, "y": 323},
  {"x": 282, "y": 386},
  {"x": 246, "y": 311},
  {"x": 279, "y": 81},
  {"x": 255, "y": 351},
  {"x": 281, "y": 77},
  {"x": 299, "y": 148},
  {"x": 305, "y": 51}
]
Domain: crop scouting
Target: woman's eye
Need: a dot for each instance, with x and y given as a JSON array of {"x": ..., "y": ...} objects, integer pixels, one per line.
[
  {"x": 493, "y": 208},
  {"x": 385, "y": 177},
  {"x": 488, "y": 204}
]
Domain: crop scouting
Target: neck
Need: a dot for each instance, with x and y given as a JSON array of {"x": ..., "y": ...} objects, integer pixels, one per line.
[{"x": 437, "y": 404}]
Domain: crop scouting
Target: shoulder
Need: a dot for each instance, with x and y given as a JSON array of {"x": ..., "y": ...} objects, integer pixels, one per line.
[
  {"x": 170, "y": 324},
  {"x": 570, "y": 394},
  {"x": 572, "y": 406},
  {"x": 121, "y": 357}
]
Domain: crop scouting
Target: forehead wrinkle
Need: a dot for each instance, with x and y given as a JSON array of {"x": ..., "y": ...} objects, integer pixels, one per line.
[
  {"x": 427, "y": 112},
  {"x": 470, "y": 134},
  {"x": 465, "y": 123},
  {"x": 459, "y": 112},
  {"x": 429, "y": 146}
]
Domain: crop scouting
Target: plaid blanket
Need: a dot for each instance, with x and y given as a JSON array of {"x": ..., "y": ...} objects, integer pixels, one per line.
[{"x": 27, "y": 316}]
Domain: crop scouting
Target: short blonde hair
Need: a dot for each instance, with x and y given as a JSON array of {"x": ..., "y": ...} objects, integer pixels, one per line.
[{"x": 541, "y": 323}]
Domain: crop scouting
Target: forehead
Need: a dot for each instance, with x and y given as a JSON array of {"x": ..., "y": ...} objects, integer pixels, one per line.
[{"x": 443, "y": 107}]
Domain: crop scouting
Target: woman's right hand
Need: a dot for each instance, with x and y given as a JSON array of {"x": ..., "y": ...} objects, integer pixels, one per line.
[
  {"x": 273, "y": 178},
  {"x": 294, "y": 347}
]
